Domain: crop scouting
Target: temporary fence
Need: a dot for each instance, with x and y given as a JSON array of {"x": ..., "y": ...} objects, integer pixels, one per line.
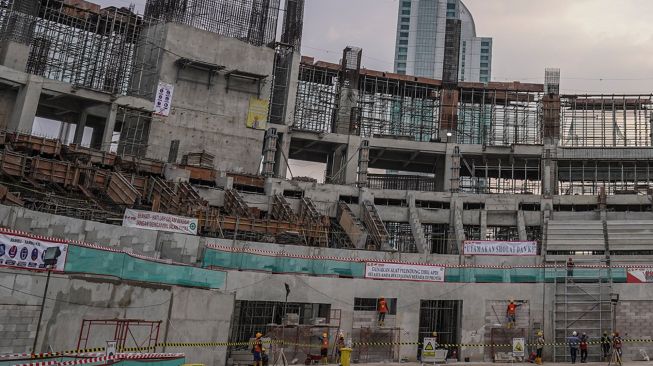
[{"x": 217, "y": 256}]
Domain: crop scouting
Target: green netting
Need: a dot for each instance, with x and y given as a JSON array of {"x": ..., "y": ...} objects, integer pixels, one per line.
[
  {"x": 88, "y": 260},
  {"x": 320, "y": 267},
  {"x": 247, "y": 261}
]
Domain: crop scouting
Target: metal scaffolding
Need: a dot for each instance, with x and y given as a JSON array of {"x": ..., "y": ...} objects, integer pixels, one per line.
[
  {"x": 396, "y": 107},
  {"x": 617, "y": 177},
  {"x": 87, "y": 46},
  {"x": 499, "y": 117},
  {"x": 251, "y": 21},
  {"x": 606, "y": 120},
  {"x": 317, "y": 98}
]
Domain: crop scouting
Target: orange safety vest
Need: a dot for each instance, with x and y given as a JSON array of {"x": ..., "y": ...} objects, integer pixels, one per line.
[
  {"x": 325, "y": 343},
  {"x": 512, "y": 308},
  {"x": 257, "y": 345},
  {"x": 383, "y": 307}
]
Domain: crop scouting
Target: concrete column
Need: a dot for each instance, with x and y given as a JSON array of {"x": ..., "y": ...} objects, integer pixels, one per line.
[
  {"x": 549, "y": 171},
  {"x": 283, "y": 151},
  {"x": 79, "y": 130},
  {"x": 344, "y": 164},
  {"x": 27, "y": 102},
  {"x": 483, "y": 224},
  {"x": 109, "y": 126},
  {"x": 521, "y": 225},
  {"x": 447, "y": 170},
  {"x": 14, "y": 55}
]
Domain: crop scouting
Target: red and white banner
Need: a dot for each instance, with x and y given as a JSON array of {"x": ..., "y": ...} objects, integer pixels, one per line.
[
  {"x": 500, "y": 248},
  {"x": 27, "y": 252},
  {"x": 403, "y": 272},
  {"x": 639, "y": 275},
  {"x": 159, "y": 221}
]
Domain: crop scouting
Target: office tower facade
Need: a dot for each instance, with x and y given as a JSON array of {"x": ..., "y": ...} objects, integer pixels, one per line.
[{"x": 437, "y": 39}]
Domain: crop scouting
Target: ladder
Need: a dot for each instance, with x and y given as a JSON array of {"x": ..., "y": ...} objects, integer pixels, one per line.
[{"x": 375, "y": 226}]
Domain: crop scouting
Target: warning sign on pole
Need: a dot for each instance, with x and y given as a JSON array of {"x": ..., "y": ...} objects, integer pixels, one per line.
[
  {"x": 518, "y": 347},
  {"x": 428, "y": 349},
  {"x": 111, "y": 349}
]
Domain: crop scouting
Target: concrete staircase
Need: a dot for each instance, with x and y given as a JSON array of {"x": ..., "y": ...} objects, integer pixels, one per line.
[
  {"x": 634, "y": 235},
  {"x": 352, "y": 226},
  {"x": 586, "y": 236}
]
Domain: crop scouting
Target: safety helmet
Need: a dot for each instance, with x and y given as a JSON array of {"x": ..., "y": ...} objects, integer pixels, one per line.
[
  {"x": 605, "y": 333},
  {"x": 259, "y": 335},
  {"x": 512, "y": 301},
  {"x": 539, "y": 333},
  {"x": 325, "y": 334},
  {"x": 574, "y": 333},
  {"x": 435, "y": 334}
]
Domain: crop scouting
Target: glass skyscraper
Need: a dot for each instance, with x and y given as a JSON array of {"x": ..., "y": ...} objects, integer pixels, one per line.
[{"x": 437, "y": 39}]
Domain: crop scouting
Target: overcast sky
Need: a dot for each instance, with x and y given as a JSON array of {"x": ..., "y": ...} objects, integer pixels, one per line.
[{"x": 599, "y": 45}]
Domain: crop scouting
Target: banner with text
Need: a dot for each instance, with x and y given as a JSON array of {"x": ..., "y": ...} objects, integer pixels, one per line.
[
  {"x": 26, "y": 252},
  {"x": 404, "y": 272},
  {"x": 508, "y": 248},
  {"x": 639, "y": 275},
  {"x": 163, "y": 100},
  {"x": 159, "y": 221}
]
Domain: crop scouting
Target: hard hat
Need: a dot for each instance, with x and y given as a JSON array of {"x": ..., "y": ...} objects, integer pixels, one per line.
[
  {"x": 435, "y": 334},
  {"x": 539, "y": 333},
  {"x": 605, "y": 333},
  {"x": 325, "y": 334},
  {"x": 512, "y": 300},
  {"x": 262, "y": 349},
  {"x": 259, "y": 335},
  {"x": 574, "y": 333}
]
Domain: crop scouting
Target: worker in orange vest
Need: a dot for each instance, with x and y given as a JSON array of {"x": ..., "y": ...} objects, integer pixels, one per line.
[
  {"x": 383, "y": 309},
  {"x": 324, "y": 348},
  {"x": 257, "y": 350},
  {"x": 511, "y": 313}
]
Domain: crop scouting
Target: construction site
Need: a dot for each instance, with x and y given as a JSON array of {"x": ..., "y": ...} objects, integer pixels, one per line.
[{"x": 167, "y": 181}]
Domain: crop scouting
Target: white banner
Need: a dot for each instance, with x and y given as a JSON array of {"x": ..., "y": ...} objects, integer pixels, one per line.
[
  {"x": 159, "y": 221},
  {"x": 404, "y": 272},
  {"x": 25, "y": 252},
  {"x": 163, "y": 101},
  {"x": 508, "y": 248}
]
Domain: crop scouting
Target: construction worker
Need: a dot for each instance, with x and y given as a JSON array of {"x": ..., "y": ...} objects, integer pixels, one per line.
[
  {"x": 606, "y": 342},
  {"x": 616, "y": 343},
  {"x": 257, "y": 350},
  {"x": 584, "y": 339},
  {"x": 383, "y": 309},
  {"x": 539, "y": 346},
  {"x": 570, "y": 269},
  {"x": 324, "y": 348},
  {"x": 340, "y": 344},
  {"x": 511, "y": 313},
  {"x": 573, "y": 342}
]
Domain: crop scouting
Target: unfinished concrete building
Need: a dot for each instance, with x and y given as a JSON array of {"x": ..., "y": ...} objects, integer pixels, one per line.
[{"x": 195, "y": 110}]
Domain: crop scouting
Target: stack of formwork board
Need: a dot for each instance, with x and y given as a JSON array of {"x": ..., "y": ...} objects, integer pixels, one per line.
[{"x": 200, "y": 160}]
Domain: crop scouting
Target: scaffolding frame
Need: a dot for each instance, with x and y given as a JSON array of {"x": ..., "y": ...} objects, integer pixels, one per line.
[
  {"x": 398, "y": 107},
  {"x": 494, "y": 117},
  {"x": 601, "y": 120},
  {"x": 317, "y": 98},
  {"x": 580, "y": 177},
  {"x": 251, "y": 21}
]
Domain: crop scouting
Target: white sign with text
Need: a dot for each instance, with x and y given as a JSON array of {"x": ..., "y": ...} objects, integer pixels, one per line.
[{"x": 404, "y": 272}]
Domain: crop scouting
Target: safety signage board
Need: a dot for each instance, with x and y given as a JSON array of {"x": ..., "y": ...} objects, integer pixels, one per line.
[
  {"x": 404, "y": 272},
  {"x": 639, "y": 275},
  {"x": 28, "y": 252},
  {"x": 111, "y": 349},
  {"x": 428, "y": 349},
  {"x": 500, "y": 248},
  {"x": 163, "y": 101},
  {"x": 159, "y": 221},
  {"x": 518, "y": 347}
]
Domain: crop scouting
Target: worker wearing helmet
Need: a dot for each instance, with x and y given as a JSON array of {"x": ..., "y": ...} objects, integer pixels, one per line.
[
  {"x": 324, "y": 348},
  {"x": 257, "y": 350},
  {"x": 539, "y": 346},
  {"x": 340, "y": 344},
  {"x": 606, "y": 343},
  {"x": 511, "y": 313},
  {"x": 383, "y": 310},
  {"x": 573, "y": 342}
]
